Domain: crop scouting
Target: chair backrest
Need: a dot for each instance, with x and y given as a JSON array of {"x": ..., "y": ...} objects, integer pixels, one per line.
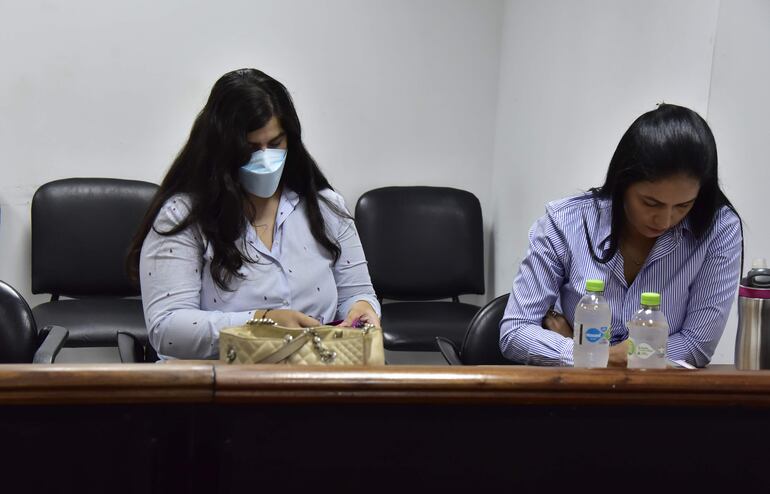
[
  {"x": 482, "y": 340},
  {"x": 81, "y": 232},
  {"x": 18, "y": 331},
  {"x": 422, "y": 243}
]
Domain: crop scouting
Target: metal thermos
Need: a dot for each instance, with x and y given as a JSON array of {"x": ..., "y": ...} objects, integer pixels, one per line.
[{"x": 752, "y": 343}]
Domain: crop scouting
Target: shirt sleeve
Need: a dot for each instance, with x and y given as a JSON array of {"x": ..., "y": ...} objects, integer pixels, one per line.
[
  {"x": 711, "y": 295},
  {"x": 535, "y": 290},
  {"x": 351, "y": 273},
  {"x": 170, "y": 276}
]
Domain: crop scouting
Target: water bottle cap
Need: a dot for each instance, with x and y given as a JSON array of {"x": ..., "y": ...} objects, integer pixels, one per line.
[
  {"x": 759, "y": 263},
  {"x": 594, "y": 285},
  {"x": 650, "y": 298}
]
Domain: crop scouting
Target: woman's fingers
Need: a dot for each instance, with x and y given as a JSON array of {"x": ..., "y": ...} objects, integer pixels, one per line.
[{"x": 307, "y": 321}]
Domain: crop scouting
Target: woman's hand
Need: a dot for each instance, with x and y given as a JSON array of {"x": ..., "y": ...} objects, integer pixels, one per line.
[
  {"x": 557, "y": 323},
  {"x": 361, "y": 312},
  {"x": 618, "y": 355},
  {"x": 289, "y": 318}
]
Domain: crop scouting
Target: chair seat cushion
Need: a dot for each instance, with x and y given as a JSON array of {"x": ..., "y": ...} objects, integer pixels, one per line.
[
  {"x": 413, "y": 326},
  {"x": 92, "y": 321}
]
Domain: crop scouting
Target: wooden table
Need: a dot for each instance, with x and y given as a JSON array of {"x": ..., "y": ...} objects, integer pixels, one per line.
[
  {"x": 213, "y": 382},
  {"x": 209, "y": 427}
]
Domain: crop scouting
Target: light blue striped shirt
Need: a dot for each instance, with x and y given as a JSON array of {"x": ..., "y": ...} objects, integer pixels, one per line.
[
  {"x": 697, "y": 280},
  {"x": 185, "y": 309}
]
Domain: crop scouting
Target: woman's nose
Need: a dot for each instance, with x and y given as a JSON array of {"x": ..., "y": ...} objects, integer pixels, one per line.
[{"x": 665, "y": 220}]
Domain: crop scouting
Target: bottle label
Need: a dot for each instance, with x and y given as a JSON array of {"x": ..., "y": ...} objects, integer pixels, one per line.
[
  {"x": 644, "y": 351},
  {"x": 594, "y": 334}
]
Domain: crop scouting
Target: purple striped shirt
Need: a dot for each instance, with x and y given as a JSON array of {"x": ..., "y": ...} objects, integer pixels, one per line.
[{"x": 697, "y": 280}]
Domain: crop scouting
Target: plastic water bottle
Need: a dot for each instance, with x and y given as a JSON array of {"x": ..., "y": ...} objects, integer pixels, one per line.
[
  {"x": 648, "y": 335},
  {"x": 591, "y": 331}
]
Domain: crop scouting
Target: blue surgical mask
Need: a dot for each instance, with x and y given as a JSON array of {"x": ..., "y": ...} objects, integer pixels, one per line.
[{"x": 261, "y": 175}]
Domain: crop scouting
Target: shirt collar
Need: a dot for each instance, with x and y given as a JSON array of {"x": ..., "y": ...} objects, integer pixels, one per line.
[
  {"x": 288, "y": 203},
  {"x": 685, "y": 224},
  {"x": 289, "y": 197},
  {"x": 604, "y": 227}
]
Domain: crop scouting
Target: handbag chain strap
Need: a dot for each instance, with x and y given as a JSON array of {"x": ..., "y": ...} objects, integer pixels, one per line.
[
  {"x": 326, "y": 355},
  {"x": 367, "y": 327},
  {"x": 294, "y": 344}
]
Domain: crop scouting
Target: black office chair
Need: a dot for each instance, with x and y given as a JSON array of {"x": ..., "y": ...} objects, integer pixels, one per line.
[
  {"x": 81, "y": 231},
  {"x": 134, "y": 350},
  {"x": 481, "y": 345},
  {"x": 422, "y": 244},
  {"x": 20, "y": 340}
]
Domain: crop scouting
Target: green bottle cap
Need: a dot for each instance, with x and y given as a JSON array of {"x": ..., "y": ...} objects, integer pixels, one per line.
[
  {"x": 594, "y": 285},
  {"x": 650, "y": 298}
]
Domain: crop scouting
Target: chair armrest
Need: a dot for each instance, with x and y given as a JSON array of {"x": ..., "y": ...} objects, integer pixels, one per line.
[
  {"x": 55, "y": 336},
  {"x": 448, "y": 351},
  {"x": 129, "y": 348}
]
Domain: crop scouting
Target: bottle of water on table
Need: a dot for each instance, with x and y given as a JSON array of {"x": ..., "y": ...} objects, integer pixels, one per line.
[
  {"x": 591, "y": 331},
  {"x": 648, "y": 335}
]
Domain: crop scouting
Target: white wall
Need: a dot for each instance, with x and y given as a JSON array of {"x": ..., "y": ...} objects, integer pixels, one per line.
[
  {"x": 389, "y": 93},
  {"x": 738, "y": 113}
]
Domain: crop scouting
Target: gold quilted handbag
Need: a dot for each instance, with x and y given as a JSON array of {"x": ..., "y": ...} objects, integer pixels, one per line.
[{"x": 262, "y": 341}]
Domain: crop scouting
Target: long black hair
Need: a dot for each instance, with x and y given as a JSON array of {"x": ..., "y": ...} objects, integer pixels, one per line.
[
  {"x": 206, "y": 169},
  {"x": 667, "y": 141}
]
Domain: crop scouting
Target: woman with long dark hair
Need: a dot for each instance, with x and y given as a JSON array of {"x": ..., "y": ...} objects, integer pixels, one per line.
[
  {"x": 245, "y": 224},
  {"x": 659, "y": 223}
]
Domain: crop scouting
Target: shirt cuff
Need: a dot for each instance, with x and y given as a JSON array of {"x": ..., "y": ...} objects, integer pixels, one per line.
[{"x": 344, "y": 308}]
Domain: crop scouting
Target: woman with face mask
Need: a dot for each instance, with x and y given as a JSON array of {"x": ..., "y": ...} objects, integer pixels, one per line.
[
  {"x": 245, "y": 225},
  {"x": 660, "y": 223}
]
